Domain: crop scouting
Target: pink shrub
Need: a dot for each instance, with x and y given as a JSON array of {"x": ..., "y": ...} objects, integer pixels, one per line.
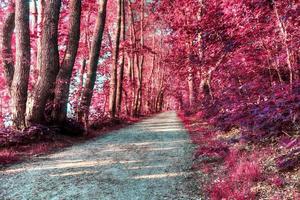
[
  {"x": 8, "y": 156},
  {"x": 242, "y": 172},
  {"x": 230, "y": 189},
  {"x": 247, "y": 171},
  {"x": 232, "y": 158},
  {"x": 276, "y": 181}
]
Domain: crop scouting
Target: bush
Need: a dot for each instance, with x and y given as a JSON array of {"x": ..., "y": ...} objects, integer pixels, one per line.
[{"x": 241, "y": 176}]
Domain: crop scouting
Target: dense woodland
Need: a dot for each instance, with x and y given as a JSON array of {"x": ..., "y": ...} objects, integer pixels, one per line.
[{"x": 234, "y": 63}]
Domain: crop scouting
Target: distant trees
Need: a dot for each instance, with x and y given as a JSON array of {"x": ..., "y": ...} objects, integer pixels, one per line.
[{"x": 233, "y": 50}]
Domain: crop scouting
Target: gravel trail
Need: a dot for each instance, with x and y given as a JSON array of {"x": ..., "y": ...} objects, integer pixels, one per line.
[{"x": 145, "y": 161}]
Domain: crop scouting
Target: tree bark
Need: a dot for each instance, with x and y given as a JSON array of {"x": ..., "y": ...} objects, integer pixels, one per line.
[
  {"x": 49, "y": 61},
  {"x": 140, "y": 64},
  {"x": 133, "y": 58},
  {"x": 35, "y": 16},
  {"x": 85, "y": 103},
  {"x": 81, "y": 75},
  {"x": 206, "y": 82},
  {"x": 121, "y": 72},
  {"x": 191, "y": 84},
  {"x": 65, "y": 73},
  {"x": 114, "y": 70},
  {"x": 41, "y": 6},
  {"x": 284, "y": 36},
  {"x": 6, "y": 52},
  {"x": 21, "y": 75}
]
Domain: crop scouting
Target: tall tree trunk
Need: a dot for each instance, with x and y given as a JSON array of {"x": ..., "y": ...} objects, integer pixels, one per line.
[
  {"x": 65, "y": 73},
  {"x": 40, "y": 21},
  {"x": 35, "y": 16},
  {"x": 284, "y": 36},
  {"x": 87, "y": 94},
  {"x": 206, "y": 82},
  {"x": 6, "y": 52},
  {"x": 34, "y": 30},
  {"x": 140, "y": 64},
  {"x": 49, "y": 61},
  {"x": 81, "y": 77},
  {"x": 21, "y": 75},
  {"x": 114, "y": 71},
  {"x": 121, "y": 72},
  {"x": 191, "y": 84},
  {"x": 133, "y": 58},
  {"x": 151, "y": 77}
]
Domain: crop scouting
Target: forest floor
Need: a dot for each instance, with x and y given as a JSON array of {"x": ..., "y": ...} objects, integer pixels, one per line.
[
  {"x": 239, "y": 169},
  {"x": 17, "y": 147},
  {"x": 151, "y": 159}
]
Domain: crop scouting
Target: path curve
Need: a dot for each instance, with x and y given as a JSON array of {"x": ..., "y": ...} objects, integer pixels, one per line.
[{"x": 148, "y": 160}]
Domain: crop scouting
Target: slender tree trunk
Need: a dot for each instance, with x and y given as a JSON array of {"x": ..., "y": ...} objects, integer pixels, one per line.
[
  {"x": 133, "y": 84},
  {"x": 65, "y": 73},
  {"x": 206, "y": 82},
  {"x": 161, "y": 101},
  {"x": 34, "y": 30},
  {"x": 191, "y": 84},
  {"x": 121, "y": 72},
  {"x": 283, "y": 32},
  {"x": 114, "y": 71},
  {"x": 151, "y": 82},
  {"x": 35, "y": 16},
  {"x": 140, "y": 64},
  {"x": 81, "y": 77},
  {"x": 93, "y": 63},
  {"x": 49, "y": 61},
  {"x": 41, "y": 7},
  {"x": 21, "y": 75},
  {"x": 133, "y": 58},
  {"x": 6, "y": 51},
  {"x": 141, "y": 67}
]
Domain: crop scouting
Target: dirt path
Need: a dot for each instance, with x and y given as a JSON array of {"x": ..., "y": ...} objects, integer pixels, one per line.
[{"x": 148, "y": 160}]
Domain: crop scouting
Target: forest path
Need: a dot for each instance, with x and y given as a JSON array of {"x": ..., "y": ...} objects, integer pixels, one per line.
[{"x": 147, "y": 160}]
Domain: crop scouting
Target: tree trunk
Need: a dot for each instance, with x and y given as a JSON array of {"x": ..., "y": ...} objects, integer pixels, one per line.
[
  {"x": 133, "y": 58},
  {"x": 114, "y": 70},
  {"x": 283, "y": 32},
  {"x": 93, "y": 63},
  {"x": 35, "y": 16},
  {"x": 151, "y": 77},
  {"x": 140, "y": 64},
  {"x": 49, "y": 61},
  {"x": 40, "y": 21},
  {"x": 6, "y": 52},
  {"x": 206, "y": 82},
  {"x": 121, "y": 73},
  {"x": 21, "y": 75},
  {"x": 191, "y": 84},
  {"x": 34, "y": 31},
  {"x": 65, "y": 73},
  {"x": 81, "y": 75}
]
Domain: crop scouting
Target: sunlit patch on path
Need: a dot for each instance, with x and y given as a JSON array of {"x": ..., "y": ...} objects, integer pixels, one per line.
[{"x": 148, "y": 160}]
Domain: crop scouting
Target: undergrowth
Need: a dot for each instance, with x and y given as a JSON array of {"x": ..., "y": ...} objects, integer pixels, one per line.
[
  {"x": 241, "y": 164},
  {"x": 16, "y": 146}
]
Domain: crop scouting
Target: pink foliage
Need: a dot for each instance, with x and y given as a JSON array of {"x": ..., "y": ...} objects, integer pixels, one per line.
[
  {"x": 8, "y": 156},
  {"x": 238, "y": 181}
]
